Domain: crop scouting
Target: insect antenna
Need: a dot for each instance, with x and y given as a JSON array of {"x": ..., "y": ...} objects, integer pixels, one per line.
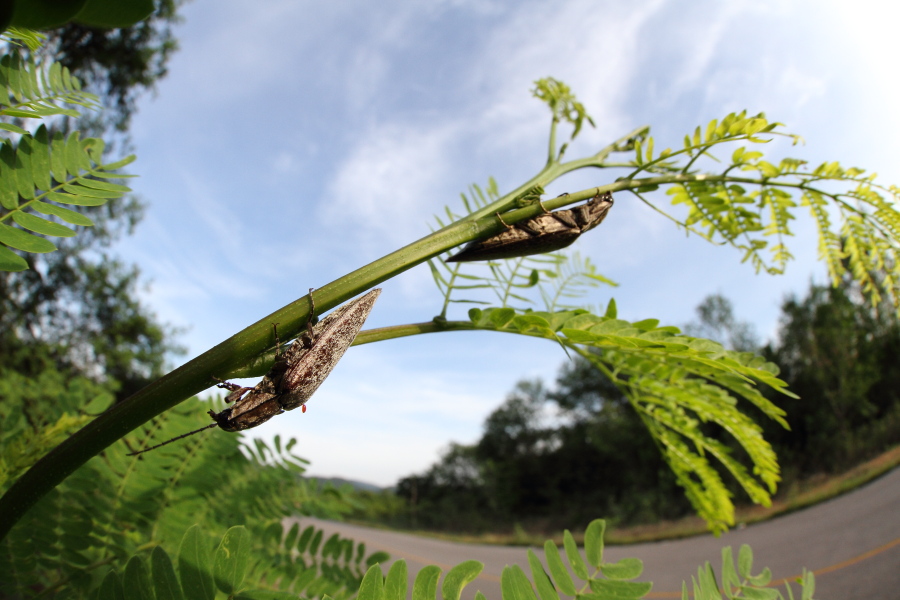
[{"x": 174, "y": 439}]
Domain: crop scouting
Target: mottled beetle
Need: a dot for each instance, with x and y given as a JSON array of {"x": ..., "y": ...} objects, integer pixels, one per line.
[
  {"x": 296, "y": 374},
  {"x": 544, "y": 233}
]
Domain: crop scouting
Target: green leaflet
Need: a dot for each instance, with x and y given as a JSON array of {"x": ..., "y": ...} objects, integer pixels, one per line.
[
  {"x": 619, "y": 590},
  {"x": 165, "y": 583},
  {"x": 40, "y": 158},
  {"x": 9, "y": 192},
  {"x": 574, "y": 556},
  {"x": 194, "y": 565},
  {"x": 76, "y": 200},
  {"x": 12, "y": 128},
  {"x": 627, "y": 568},
  {"x": 232, "y": 558},
  {"x": 10, "y": 261},
  {"x": 136, "y": 582},
  {"x": 58, "y": 157},
  {"x": 102, "y": 185},
  {"x": 42, "y": 226},
  {"x": 377, "y": 557},
  {"x": 18, "y": 239},
  {"x": 396, "y": 582},
  {"x": 372, "y": 586},
  {"x": 515, "y": 585},
  {"x": 304, "y": 540},
  {"x": 67, "y": 215},
  {"x": 542, "y": 582},
  {"x": 593, "y": 542},
  {"x": 291, "y": 536},
  {"x": 316, "y": 541},
  {"x": 458, "y": 577},
  {"x": 23, "y": 171},
  {"x": 111, "y": 588},
  {"x": 560, "y": 574},
  {"x": 425, "y": 586}
]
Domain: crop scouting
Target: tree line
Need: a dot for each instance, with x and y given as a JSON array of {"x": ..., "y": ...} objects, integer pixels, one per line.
[{"x": 553, "y": 457}]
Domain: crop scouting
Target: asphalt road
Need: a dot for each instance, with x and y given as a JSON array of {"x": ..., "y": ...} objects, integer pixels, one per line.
[{"x": 851, "y": 543}]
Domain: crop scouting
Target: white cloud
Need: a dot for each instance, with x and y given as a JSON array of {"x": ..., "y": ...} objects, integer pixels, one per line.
[
  {"x": 386, "y": 184},
  {"x": 589, "y": 45}
]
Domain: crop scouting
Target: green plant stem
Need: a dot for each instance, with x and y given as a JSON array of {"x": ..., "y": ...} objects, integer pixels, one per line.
[
  {"x": 219, "y": 361},
  {"x": 555, "y": 169},
  {"x": 232, "y": 356},
  {"x": 552, "y": 156}
]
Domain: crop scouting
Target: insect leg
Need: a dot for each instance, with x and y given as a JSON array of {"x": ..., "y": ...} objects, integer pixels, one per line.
[
  {"x": 277, "y": 341},
  {"x": 537, "y": 225},
  {"x": 505, "y": 224},
  {"x": 237, "y": 391},
  {"x": 311, "y": 320}
]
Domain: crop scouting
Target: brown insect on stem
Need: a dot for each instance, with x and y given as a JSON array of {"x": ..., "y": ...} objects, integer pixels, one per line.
[
  {"x": 296, "y": 374},
  {"x": 544, "y": 233}
]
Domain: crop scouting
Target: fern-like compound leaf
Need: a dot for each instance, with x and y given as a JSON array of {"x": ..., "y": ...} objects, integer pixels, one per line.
[
  {"x": 678, "y": 384},
  {"x": 41, "y": 170},
  {"x": 749, "y": 203}
]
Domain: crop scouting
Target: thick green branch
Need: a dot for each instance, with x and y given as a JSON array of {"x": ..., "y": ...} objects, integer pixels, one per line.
[
  {"x": 220, "y": 361},
  {"x": 240, "y": 353}
]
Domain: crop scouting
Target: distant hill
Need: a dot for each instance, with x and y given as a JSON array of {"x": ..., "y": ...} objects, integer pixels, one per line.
[{"x": 339, "y": 481}]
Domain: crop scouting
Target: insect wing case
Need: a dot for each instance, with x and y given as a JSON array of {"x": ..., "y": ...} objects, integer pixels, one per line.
[
  {"x": 544, "y": 233},
  {"x": 333, "y": 335}
]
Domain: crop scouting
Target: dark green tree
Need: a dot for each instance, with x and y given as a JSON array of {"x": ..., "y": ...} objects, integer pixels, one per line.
[
  {"x": 839, "y": 354},
  {"x": 549, "y": 459}
]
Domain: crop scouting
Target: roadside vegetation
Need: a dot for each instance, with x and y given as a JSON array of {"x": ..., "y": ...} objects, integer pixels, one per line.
[{"x": 526, "y": 477}]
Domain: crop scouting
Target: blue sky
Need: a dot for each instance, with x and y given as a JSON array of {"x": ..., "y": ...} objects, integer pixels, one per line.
[{"x": 294, "y": 143}]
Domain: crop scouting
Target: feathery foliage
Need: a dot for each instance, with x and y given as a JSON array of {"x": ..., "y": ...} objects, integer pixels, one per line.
[
  {"x": 116, "y": 507},
  {"x": 740, "y": 583},
  {"x": 593, "y": 578},
  {"x": 46, "y": 170},
  {"x": 677, "y": 384},
  {"x": 750, "y": 203},
  {"x": 198, "y": 571}
]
